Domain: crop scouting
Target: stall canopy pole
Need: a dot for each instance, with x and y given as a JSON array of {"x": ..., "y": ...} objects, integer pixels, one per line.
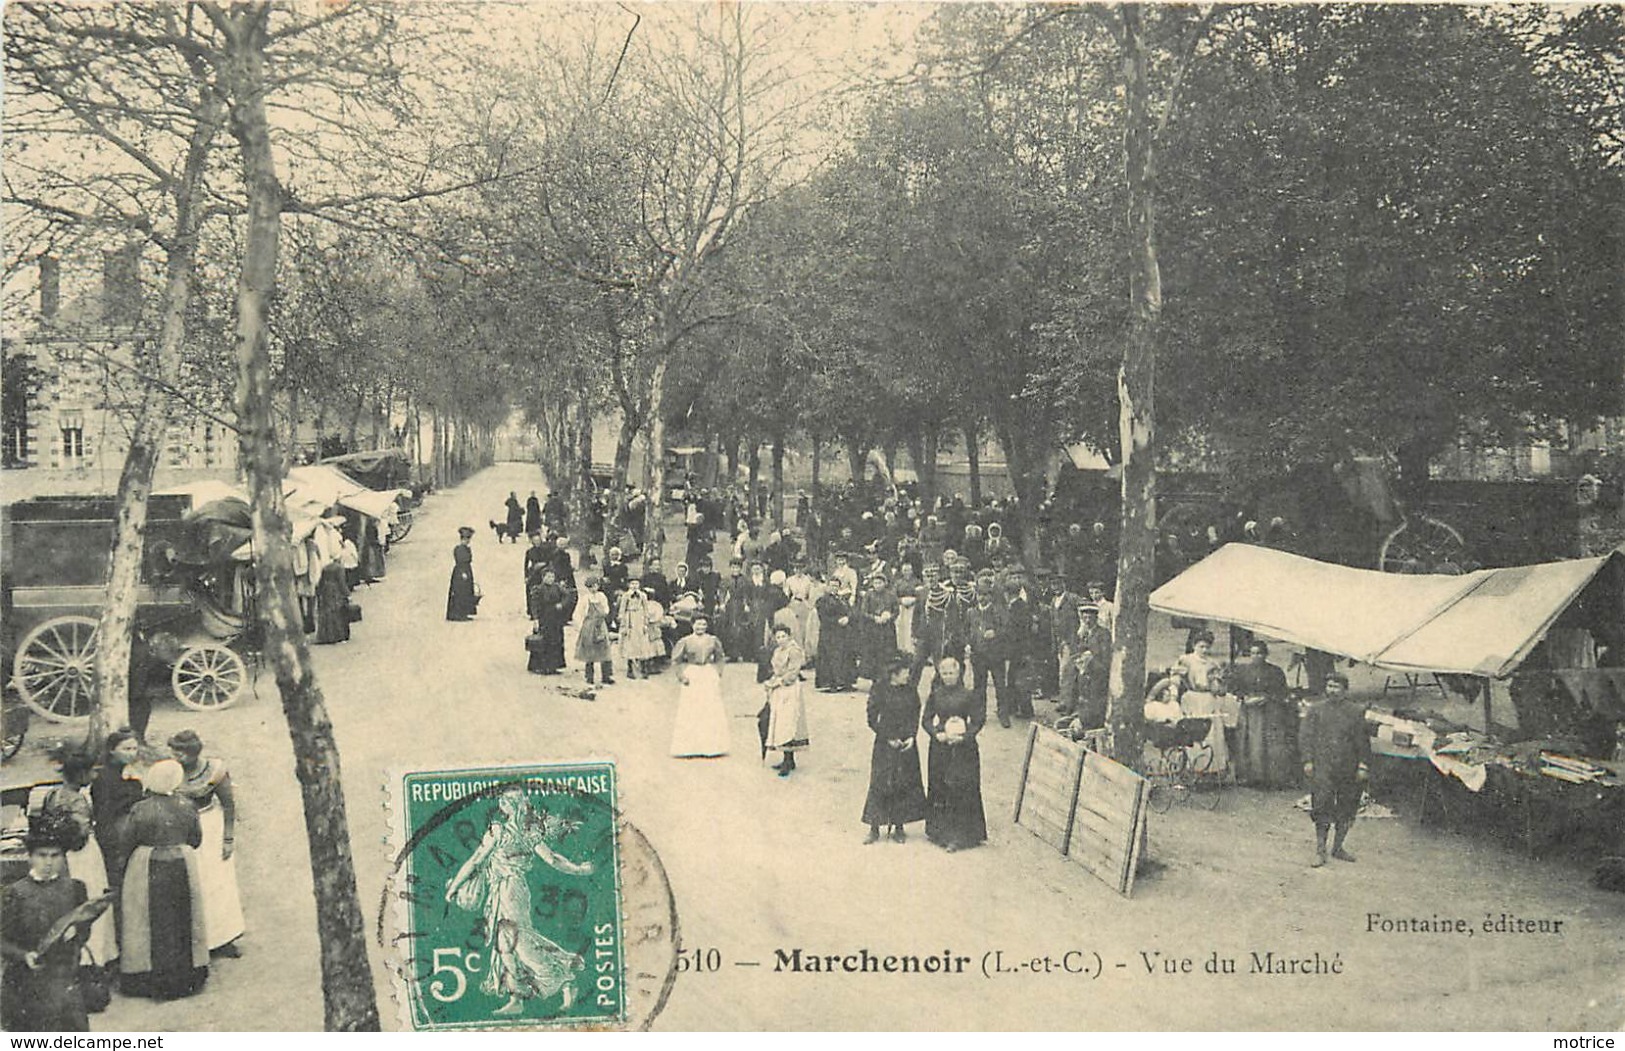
[{"x": 1489, "y": 689}]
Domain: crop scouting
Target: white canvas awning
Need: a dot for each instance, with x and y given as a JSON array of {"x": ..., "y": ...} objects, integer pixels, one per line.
[
  {"x": 1482, "y": 623},
  {"x": 320, "y": 487}
]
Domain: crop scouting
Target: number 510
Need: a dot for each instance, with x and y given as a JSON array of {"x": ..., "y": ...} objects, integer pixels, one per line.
[{"x": 458, "y": 979}]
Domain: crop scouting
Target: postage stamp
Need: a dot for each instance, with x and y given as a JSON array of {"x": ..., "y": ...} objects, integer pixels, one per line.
[{"x": 512, "y": 902}]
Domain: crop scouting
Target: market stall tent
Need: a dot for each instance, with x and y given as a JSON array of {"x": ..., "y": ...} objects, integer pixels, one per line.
[{"x": 1483, "y": 623}]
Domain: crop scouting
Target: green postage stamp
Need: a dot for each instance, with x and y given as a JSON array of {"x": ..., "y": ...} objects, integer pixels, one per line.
[{"x": 508, "y": 902}]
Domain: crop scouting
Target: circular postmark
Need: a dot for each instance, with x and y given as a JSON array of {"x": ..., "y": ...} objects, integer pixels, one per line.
[{"x": 519, "y": 898}]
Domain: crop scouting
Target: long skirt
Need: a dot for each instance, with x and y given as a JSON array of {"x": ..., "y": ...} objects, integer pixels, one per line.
[
  {"x": 87, "y": 865},
  {"x": 701, "y": 726},
  {"x": 550, "y": 657},
  {"x": 1267, "y": 744},
  {"x": 953, "y": 809},
  {"x": 332, "y": 606},
  {"x": 222, "y": 904},
  {"x": 787, "y": 718},
  {"x": 460, "y": 601},
  {"x": 896, "y": 794},
  {"x": 164, "y": 951}
]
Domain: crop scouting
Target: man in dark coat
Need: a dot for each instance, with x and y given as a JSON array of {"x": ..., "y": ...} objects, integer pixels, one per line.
[
  {"x": 555, "y": 513},
  {"x": 40, "y": 991},
  {"x": 988, "y": 628},
  {"x": 1336, "y": 750},
  {"x": 655, "y": 584},
  {"x": 709, "y": 584}
]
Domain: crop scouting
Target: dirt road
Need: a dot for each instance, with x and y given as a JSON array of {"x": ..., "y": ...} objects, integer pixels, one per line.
[{"x": 760, "y": 864}]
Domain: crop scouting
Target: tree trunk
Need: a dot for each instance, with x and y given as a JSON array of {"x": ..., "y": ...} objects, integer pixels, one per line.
[
  {"x": 857, "y": 458},
  {"x": 753, "y": 465},
  {"x": 656, "y": 467},
  {"x": 115, "y": 630},
  {"x": 730, "y": 459},
  {"x": 817, "y": 460},
  {"x": 973, "y": 462},
  {"x": 1125, "y": 718},
  {"x": 1025, "y": 461},
  {"x": 584, "y": 485},
  {"x": 778, "y": 481},
  {"x": 350, "y": 1002},
  {"x": 630, "y": 426},
  {"x": 927, "y": 467}
]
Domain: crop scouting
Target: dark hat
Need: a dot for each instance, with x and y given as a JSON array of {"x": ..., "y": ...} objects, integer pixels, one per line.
[
  {"x": 465, "y": 530},
  {"x": 1088, "y": 607}
]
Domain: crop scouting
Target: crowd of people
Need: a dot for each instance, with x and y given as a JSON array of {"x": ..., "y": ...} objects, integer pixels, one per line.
[
  {"x": 905, "y": 589},
  {"x": 131, "y": 881}
]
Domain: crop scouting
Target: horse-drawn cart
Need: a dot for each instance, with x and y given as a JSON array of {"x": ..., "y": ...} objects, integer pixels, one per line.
[{"x": 193, "y": 606}]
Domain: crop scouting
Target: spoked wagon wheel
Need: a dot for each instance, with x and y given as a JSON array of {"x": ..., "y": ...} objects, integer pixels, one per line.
[
  {"x": 55, "y": 668},
  {"x": 400, "y": 527},
  {"x": 209, "y": 677},
  {"x": 1422, "y": 544},
  {"x": 13, "y": 725}
]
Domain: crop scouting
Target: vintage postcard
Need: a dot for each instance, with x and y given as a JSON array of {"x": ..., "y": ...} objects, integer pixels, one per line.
[{"x": 803, "y": 516}]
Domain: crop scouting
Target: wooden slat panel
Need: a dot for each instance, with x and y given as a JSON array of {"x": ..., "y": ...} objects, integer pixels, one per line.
[{"x": 1117, "y": 773}]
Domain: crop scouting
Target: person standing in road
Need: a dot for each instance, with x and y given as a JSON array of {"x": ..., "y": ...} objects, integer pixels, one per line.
[
  {"x": 896, "y": 794},
  {"x": 787, "y": 704},
  {"x": 40, "y": 992},
  {"x": 533, "y": 514},
  {"x": 701, "y": 727},
  {"x": 592, "y": 642},
  {"x": 163, "y": 945},
  {"x": 954, "y": 819},
  {"x": 638, "y": 639},
  {"x": 550, "y": 603},
  {"x": 537, "y": 555},
  {"x": 516, "y": 517},
  {"x": 462, "y": 599},
  {"x": 208, "y": 787},
  {"x": 1335, "y": 752}
]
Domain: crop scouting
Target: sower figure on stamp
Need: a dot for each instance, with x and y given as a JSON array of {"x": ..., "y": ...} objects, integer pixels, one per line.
[
  {"x": 523, "y": 965},
  {"x": 1335, "y": 752}
]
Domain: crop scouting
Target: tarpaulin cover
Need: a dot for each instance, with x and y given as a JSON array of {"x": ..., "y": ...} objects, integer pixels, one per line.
[
  {"x": 212, "y": 532},
  {"x": 1481, "y": 623}
]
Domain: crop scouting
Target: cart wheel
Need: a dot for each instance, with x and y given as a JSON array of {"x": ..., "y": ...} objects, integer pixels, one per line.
[
  {"x": 55, "y": 668},
  {"x": 14, "y": 722},
  {"x": 209, "y": 677},
  {"x": 400, "y": 527},
  {"x": 1161, "y": 797},
  {"x": 1422, "y": 544}
]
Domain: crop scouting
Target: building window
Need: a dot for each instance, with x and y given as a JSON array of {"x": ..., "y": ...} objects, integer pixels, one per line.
[
  {"x": 16, "y": 451},
  {"x": 73, "y": 439}
]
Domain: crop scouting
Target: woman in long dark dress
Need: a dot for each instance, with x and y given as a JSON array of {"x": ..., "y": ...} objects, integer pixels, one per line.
[
  {"x": 1267, "y": 746},
  {"x": 516, "y": 518},
  {"x": 461, "y": 603},
  {"x": 549, "y": 603},
  {"x": 533, "y": 514},
  {"x": 115, "y": 791},
  {"x": 163, "y": 946},
  {"x": 953, "y": 717},
  {"x": 332, "y": 605},
  {"x": 896, "y": 796}
]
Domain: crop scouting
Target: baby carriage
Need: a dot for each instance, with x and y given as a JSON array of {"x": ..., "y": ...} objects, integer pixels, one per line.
[{"x": 1183, "y": 765}]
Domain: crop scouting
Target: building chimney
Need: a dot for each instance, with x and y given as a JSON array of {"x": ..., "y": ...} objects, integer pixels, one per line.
[
  {"x": 50, "y": 285},
  {"x": 121, "y": 285}
]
